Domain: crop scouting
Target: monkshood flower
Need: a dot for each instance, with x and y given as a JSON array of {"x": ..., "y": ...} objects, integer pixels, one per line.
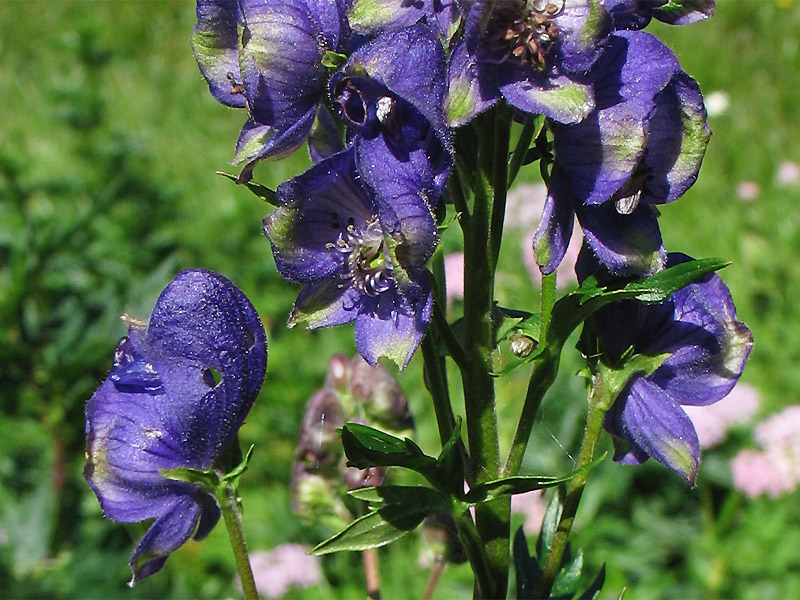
[
  {"x": 637, "y": 14},
  {"x": 706, "y": 348},
  {"x": 642, "y": 146},
  {"x": 267, "y": 56},
  {"x": 532, "y": 53},
  {"x": 359, "y": 256},
  {"x": 180, "y": 387},
  {"x": 390, "y": 95}
]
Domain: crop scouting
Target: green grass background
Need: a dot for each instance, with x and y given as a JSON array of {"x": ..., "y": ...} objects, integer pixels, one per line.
[{"x": 108, "y": 145}]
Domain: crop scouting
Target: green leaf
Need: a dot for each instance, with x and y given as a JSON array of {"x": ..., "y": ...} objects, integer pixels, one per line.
[
  {"x": 260, "y": 190},
  {"x": 551, "y": 518},
  {"x": 387, "y": 523},
  {"x": 369, "y": 447},
  {"x": 237, "y": 471},
  {"x": 593, "y": 591},
  {"x": 450, "y": 465},
  {"x": 527, "y": 569},
  {"x": 384, "y": 495},
  {"x": 519, "y": 484},
  {"x": 568, "y": 579}
]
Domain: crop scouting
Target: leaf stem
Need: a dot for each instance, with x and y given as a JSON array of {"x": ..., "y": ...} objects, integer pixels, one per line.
[
  {"x": 436, "y": 572},
  {"x": 594, "y": 426},
  {"x": 226, "y": 496}
]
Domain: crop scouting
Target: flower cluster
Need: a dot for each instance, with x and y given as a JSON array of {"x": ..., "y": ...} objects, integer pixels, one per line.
[
  {"x": 704, "y": 349},
  {"x": 357, "y": 229},
  {"x": 353, "y": 392},
  {"x": 180, "y": 387}
]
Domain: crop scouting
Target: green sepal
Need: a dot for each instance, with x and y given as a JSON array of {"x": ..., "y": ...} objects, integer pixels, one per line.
[
  {"x": 333, "y": 60},
  {"x": 387, "y": 523},
  {"x": 520, "y": 484},
  {"x": 260, "y": 190},
  {"x": 203, "y": 477}
]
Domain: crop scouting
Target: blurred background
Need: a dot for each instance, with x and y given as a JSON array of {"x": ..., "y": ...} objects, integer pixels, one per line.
[{"x": 109, "y": 142}]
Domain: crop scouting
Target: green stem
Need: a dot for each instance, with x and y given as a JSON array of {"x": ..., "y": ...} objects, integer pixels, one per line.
[
  {"x": 446, "y": 334},
  {"x": 481, "y": 246},
  {"x": 226, "y": 496},
  {"x": 521, "y": 151},
  {"x": 545, "y": 369},
  {"x": 594, "y": 425},
  {"x": 476, "y": 553},
  {"x": 436, "y": 380}
]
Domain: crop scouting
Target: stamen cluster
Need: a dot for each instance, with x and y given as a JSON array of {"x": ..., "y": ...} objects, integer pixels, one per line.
[
  {"x": 524, "y": 32},
  {"x": 367, "y": 266}
]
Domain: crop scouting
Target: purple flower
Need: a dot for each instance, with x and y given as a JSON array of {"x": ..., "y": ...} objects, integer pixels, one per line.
[
  {"x": 534, "y": 54},
  {"x": 360, "y": 255},
  {"x": 706, "y": 348},
  {"x": 643, "y": 145},
  {"x": 178, "y": 391},
  {"x": 390, "y": 95},
  {"x": 373, "y": 16},
  {"x": 637, "y": 14},
  {"x": 267, "y": 56}
]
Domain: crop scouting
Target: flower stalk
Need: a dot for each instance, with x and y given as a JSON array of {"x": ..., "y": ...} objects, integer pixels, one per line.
[{"x": 226, "y": 496}]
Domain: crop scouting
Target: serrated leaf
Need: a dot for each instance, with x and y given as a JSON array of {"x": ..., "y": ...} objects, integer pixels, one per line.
[
  {"x": 384, "y": 525},
  {"x": 260, "y": 190}
]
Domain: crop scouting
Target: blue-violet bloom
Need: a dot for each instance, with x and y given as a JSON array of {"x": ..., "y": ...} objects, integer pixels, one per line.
[
  {"x": 180, "y": 387},
  {"x": 267, "y": 56},
  {"x": 706, "y": 349},
  {"x": 360, "y": 256},
  {"x": 642, "y": 146},
  {"x": 533, "y": 53}
]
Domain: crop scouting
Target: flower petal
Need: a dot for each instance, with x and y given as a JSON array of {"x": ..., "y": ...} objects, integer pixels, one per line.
[
  {"x": 552, "y": 237},
  {"x": 563, "y": 98},
  {"x": 655, "y": 424},
  {"x": 468, "y": 94},
  {"x": 215, "y": 44},
  {"x": 392, "y": 326},
  {"x": 168, "y": 533},
  {"x": 317, "y": 206},
  {"x": 625, "y": 244},
  {"x": 326, "y": 303}
]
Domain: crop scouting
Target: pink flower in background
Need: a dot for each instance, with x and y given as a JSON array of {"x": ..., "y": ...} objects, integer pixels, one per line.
[
  {"x": 533, "y": 506},
  {"x": 284, "y": 567},
  {"x": 788, "y": 172},
  {"x": 524, "y": 206},
  {"x": 712, "y": 422},
  {"x": 748, "y": 190},
  {"x": 454, "y": 274},
  {"x": 776, "y": 469}
]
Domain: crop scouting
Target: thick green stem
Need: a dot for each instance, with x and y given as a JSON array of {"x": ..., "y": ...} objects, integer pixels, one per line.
[
  {"x": 481, "y": 247},
  {"x": 226, "y": 496},
  {"x": 548, "y": 300},
  {"x": 594, "y": 425},
  {"x": 476, "y": 553},
  {"x": 436, "y": 380}
]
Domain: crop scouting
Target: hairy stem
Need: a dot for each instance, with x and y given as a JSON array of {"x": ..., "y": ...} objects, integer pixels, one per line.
[{"x": 226, "y": 496}]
